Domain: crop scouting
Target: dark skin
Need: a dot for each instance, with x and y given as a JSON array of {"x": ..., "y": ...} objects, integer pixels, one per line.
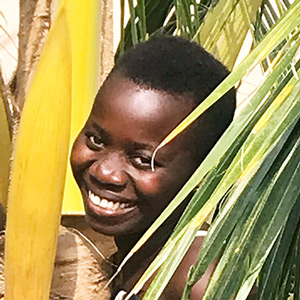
[{"x": 111, "y": 161}]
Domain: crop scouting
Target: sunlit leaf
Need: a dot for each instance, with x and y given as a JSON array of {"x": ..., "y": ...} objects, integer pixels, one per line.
[
  {"x": 84, "y": 19},
  {"x": 5, "y": 153},
  {"x": 225, "y": 27},
  {"x": 38, "y": 171}
]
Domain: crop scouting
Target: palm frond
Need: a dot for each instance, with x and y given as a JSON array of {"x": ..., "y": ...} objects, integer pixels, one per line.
[
  {"x": 225, "y": 27},
  {"x": 38, "y": 172},
  {"x": 5, "y": 146},
  {"x": 177, "y": 240},
  {"x": 266, "y": 18},
  {"x": 85, "y": 44},
  {"x": 272, "y": 269}
]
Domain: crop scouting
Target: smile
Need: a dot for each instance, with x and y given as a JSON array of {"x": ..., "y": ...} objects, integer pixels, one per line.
[{"x": 104, "y": 204}]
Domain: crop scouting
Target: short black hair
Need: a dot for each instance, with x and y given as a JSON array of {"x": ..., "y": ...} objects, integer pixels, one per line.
[{"x": 176, "y": 65}]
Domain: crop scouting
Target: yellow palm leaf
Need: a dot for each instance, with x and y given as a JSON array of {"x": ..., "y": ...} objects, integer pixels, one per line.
[
  {"x": 5, "y": 148},
  {"x": 38, "y": 172},
  {"x": 84, "y": 20}
]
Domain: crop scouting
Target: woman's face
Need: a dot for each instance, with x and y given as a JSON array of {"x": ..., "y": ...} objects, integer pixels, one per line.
[{"x": 111, "y": 156}]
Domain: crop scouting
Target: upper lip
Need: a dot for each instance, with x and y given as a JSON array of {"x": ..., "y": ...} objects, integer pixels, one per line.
[{"x": 105, "y": 193}]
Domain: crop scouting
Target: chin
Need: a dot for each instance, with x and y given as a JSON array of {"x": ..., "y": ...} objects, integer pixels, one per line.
[{"x": 114, "y": 230}]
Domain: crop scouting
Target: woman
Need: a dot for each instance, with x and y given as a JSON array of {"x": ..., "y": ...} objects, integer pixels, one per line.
[{"x": 149, "y": 91}]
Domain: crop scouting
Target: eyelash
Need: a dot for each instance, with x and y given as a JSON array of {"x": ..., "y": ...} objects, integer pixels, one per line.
[
  {"x": 92, "y": 142},
  {"x": 141, "y": 165}
]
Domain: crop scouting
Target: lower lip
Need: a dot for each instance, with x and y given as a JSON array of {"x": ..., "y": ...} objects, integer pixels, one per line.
[{"x": 100, "y": 211}]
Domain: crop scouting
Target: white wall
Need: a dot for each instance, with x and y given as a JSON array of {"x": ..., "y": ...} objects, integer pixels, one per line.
[{"x": 9, "y": 21}]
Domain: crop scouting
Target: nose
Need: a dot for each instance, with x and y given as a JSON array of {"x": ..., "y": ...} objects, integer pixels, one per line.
[{"x": 109, "y": 169}]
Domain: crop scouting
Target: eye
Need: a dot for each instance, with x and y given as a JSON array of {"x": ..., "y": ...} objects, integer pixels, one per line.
[
  {"x": 94, "y": 142},
  {"x": 142, "y": 162}
]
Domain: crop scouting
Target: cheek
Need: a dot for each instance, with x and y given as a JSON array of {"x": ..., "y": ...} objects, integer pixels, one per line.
[
  {"x": 80, "y": 153},
  {"x": 164, "y": 186},
  {"x": 149, "y": 185},
  {"x": 157, "y": 187}
]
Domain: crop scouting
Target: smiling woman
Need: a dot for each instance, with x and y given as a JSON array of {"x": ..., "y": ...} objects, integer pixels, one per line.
[
  {"x": 150, "y": 90},
  {"x": 113, "y": 154}
]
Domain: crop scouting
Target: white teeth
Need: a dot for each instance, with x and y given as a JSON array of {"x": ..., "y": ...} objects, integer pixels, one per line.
[
  {"x": 116, "y": 206},
  {"x": 95, "y": 199},
  {"x": 104, "y": 203},
  {"x": 110, "y": 204}
]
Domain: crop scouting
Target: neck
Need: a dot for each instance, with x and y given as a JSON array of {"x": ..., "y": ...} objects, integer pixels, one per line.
[
  {"x": 126, "y": 242},
  {"x": 155, "y": 242},
  {"x": 139, "y": 262}
]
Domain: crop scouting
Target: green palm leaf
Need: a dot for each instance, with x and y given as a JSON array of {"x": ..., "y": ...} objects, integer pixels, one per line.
[{"x": 179, "y": 239}]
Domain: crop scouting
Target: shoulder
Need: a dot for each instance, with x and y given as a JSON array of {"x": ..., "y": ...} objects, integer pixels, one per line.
[{"x": 177, "y": 283}]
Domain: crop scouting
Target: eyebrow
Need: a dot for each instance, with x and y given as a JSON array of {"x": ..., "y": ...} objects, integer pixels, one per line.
[
  {"x": 137, "y": 145},
  {"x": 104, "y": 134},
  {"x": 133, "y": 145}
]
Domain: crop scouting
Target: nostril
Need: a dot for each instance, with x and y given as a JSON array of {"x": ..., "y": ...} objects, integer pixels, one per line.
[
  {"x": 115, "y": 187},
  {"x": 108, "y": 173}
]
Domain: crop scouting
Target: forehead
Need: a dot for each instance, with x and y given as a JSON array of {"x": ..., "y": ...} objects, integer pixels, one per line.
[{"x": 133, "y": 112}]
